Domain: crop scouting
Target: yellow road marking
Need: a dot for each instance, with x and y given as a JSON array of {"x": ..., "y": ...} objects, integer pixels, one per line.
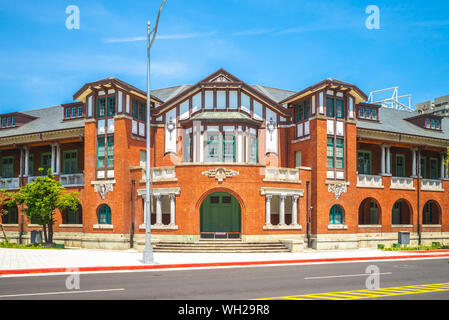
[{"x": 368, "y": 293}]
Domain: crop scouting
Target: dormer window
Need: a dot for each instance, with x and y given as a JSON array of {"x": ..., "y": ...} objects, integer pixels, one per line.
[
  {"x": 73, "y": 112},
  {"x": 9, "y": 121},
  {"x": 368, "y": 113}
]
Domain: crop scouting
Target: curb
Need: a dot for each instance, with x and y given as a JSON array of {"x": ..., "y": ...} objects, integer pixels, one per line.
[{"x": 211, "y": 264}]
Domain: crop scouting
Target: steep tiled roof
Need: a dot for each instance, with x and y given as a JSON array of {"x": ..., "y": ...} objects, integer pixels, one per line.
[
  {"x": 48, "y": 119},
  {"x": 392, "y": 120}
]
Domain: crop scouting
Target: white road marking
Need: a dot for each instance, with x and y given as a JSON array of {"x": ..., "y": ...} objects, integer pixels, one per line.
[
  {"x": 58, "y": 292},
  {"x": 348, "y": 275}
]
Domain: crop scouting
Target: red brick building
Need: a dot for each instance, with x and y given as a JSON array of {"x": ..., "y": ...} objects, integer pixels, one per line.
[{"x": 235, "y": 161}]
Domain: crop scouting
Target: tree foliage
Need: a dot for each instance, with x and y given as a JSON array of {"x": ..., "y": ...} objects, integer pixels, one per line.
[{"x": 41, "y": 198}]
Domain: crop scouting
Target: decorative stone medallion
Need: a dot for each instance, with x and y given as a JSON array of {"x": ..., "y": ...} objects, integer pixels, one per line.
[
  {"x": 220, "y": 173},
  {"x": 103, "y": 189},
  {"x": 337, "y": 189}
]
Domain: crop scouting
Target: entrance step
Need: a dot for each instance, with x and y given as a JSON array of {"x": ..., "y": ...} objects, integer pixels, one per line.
[{"x": 220, "y": 246}]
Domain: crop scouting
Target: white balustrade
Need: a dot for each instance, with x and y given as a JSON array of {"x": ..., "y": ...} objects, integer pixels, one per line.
[
  {"x": 431, "y": 185},
  {"x": 282, "y": 174},
  {"x": 369, "y": 181},
  {"x": 9, "y": 183},
  {"x": 75, "y": 179},
  {"x": 401, "y": 183}
]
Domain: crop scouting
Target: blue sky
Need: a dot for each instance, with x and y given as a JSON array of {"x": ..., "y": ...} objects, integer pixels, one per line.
[{"x": 288, "y": 44}]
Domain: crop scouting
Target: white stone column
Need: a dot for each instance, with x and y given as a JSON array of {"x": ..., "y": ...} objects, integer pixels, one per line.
[
  {"x": 414, "y": 162},
  {"x": 158, "y": 209},
  {"x": 281, "y": 209},
  {"x": 382, "y": 160},
  {"x": 172, "y": 209},
  {"x": 388, "y": 160},
  {"x": 27, "y": 161},
  {"x": 52, "y": 158},
  {"x": 268, "y": 209},
  {"x": 58, "y": 158},
  {"x": 21, "y": 162},
  {"x": 295, "y": 210}
]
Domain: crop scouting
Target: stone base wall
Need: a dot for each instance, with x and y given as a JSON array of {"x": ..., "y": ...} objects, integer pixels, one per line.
[{"x": 319, "y": 242}]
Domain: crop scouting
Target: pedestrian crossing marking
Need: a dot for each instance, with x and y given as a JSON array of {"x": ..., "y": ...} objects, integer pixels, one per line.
[{"x": 368, "y": 293}]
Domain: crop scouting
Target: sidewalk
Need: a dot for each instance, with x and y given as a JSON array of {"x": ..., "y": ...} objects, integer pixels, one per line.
[{"x": 17, "y": 261}]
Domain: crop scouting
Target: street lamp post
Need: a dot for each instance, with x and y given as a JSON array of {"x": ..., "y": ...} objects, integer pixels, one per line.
[{"x": 148, "y": 252}]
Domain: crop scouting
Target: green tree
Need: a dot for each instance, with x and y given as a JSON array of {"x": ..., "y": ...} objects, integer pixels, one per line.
[{"x": 42, "y": 197}]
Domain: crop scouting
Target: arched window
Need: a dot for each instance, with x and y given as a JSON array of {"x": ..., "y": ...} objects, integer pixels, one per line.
[
  {"x": 336, "y": 215},
  {"x": 70, "y": 216},
  {"x": 104, "y": 214},
  {"x": 11, "y": 216}
]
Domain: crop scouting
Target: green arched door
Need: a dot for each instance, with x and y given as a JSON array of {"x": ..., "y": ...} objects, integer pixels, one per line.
[{"x": 220, "y": 216}]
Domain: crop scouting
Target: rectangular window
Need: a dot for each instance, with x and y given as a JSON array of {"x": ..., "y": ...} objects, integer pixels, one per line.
[
  {"x": 3, "y": 122},
  {"x": 257, "y": 110},
  {"x": 362, "y": 112},
  {"x": 142, "y": 111},
  {"x": 364, "y": 162},
  {"x": 368, "y": 113},
  {"x": 111, "y": 106},
  {"x": 233, "y": 99},
  {"x": 433, "y": 168},
  {"x": 143, "y": 158},
  {"x": 196, "y": 102},
  {"x": 13, "y": 121},
  {"x": 221, "y": 99},
  {"x": 330, "y": 152},
  {"x": 427, "y": 123},
  {"x": 45, "y": 162},
  {"x": 245, "y": 103},
  {"x": 252, "y": 149},
  {"x": 300, "y": 113},
  {"x": 212, "y": 147},
  {"x": 438, "y": 124},
  {"x": 8, "y": 122},
  {"x": 184, "y": 110},
  {"x": 340, "y": 154},
  {"x": 188, "y": 148},
  {"x": 340, "y": 109},
  {"x": 374, "y": 114},
  {"x": 135, "y": 109},
  {"x": 70, "y": 162},
  {"x": 101, "y": 107},
  {"x": 330, "y": 112},
  {"x": 110, "y": 140},
  {"x": 7, "y": 167},
  {"x": 433, "y": 124},
  {"x": 306, "y": 109},
  {"x": 209, "y": 99},
  {"x": 228, "y": 147},
  {"x": 74, "y": 112},
  {"x": 80, "y": 112},
  {"x": 101, "y": 153},
  {"x": 400, "y": 165},
  {"x": 67, "y": 113},
  {"x": 297, "y": 159}
]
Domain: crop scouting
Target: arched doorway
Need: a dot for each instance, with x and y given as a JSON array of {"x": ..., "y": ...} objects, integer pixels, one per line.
[
  {"x": 401, "y": 212},
  {"x": 369, "y": 212},
  {"x": 220, "y": 217},
  {"x": 431, "y": 213}
]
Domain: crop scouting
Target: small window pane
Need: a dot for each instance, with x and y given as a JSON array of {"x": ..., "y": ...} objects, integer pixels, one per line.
[
  {"x": 233, "y": 97},
  {"x": 209, "y": 99},
  {"x": 221, "y": 99}
]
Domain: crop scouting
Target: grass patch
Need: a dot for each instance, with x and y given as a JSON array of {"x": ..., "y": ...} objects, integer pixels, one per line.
[
  {"x": 397, "y": 247},
  {"x": 10, "y": 245}
]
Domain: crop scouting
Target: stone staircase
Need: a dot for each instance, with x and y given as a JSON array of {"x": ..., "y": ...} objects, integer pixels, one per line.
[{"x": 217, "y": 246}]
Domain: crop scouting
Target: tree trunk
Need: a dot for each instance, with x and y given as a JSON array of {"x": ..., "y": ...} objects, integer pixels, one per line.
[
  {"x": 50, "y": 233},
  {"x": 44, "y": 229}
]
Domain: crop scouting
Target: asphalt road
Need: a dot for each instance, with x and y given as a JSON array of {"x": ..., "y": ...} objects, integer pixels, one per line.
[{"x": 232, "y": 283}]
